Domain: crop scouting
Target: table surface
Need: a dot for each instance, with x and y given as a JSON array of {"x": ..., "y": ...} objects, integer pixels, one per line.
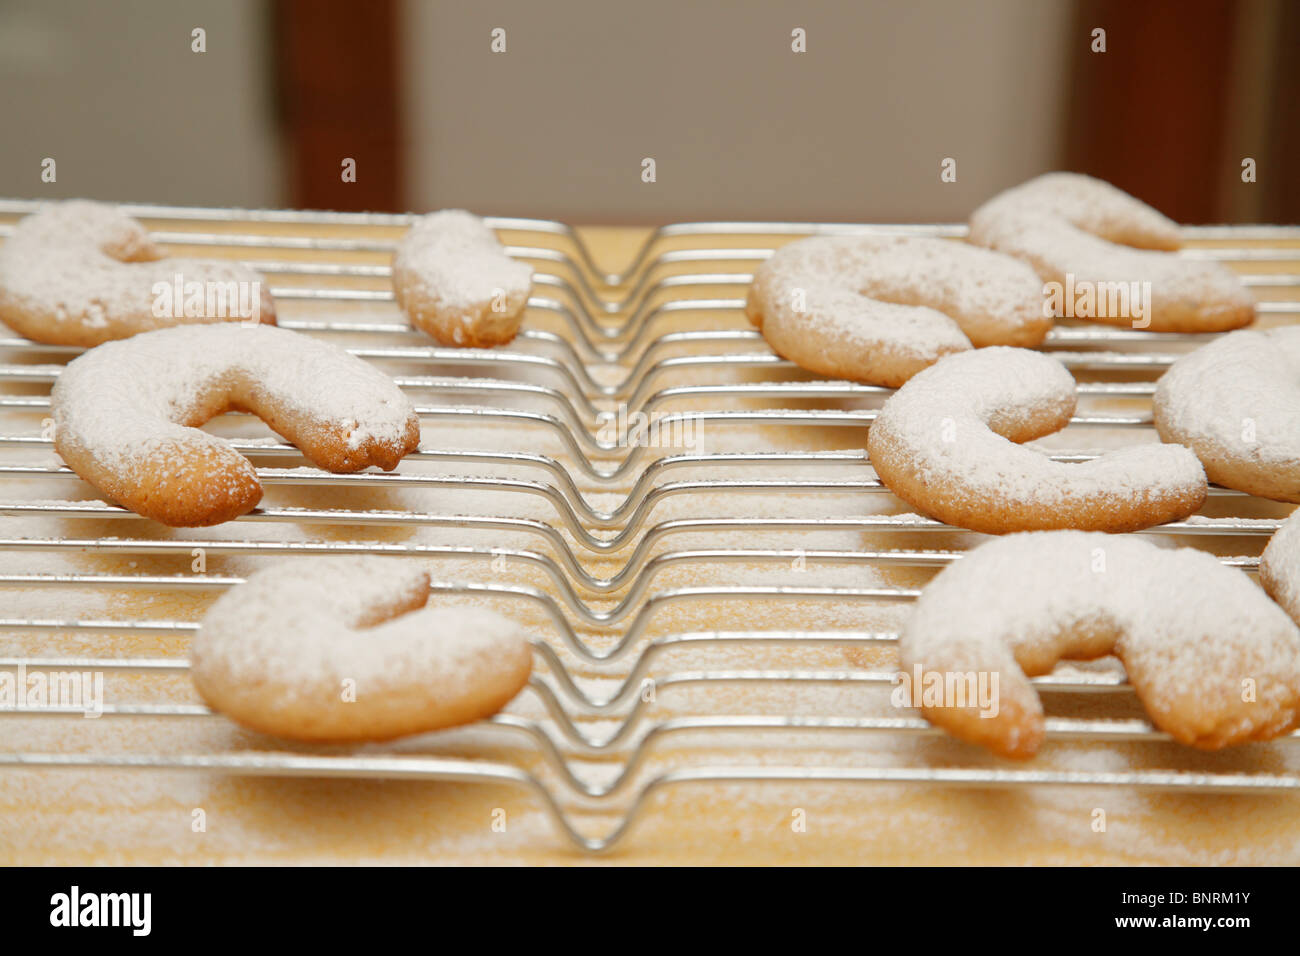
[{"x": 102, "y": 816}]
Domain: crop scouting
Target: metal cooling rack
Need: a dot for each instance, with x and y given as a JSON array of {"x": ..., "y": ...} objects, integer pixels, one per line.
[{"x": 610, "y": 319}]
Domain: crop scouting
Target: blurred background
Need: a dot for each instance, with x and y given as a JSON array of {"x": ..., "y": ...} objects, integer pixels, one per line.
[{"x": 551, "y": 109}]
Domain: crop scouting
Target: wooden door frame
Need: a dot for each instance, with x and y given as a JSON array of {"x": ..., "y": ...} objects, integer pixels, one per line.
[{"x": 339, "y": 82}]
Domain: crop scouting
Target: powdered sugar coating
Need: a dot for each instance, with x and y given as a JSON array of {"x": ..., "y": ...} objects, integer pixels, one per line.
[
  {"x": 1279, "y": 566},
  {"x": 345, "y": 649},
  {"x": 125, "y": 415},
  {"x": 946, "y": 442},
  {"x": 82, "y": 273},
  {"x": 1213, "y": 661},
  {"x": 1236, "y": 402},
  {"x": 454, "y": 280},
  {"x": 1068, "y": 224},
  {"x": 879, "y": 309}
]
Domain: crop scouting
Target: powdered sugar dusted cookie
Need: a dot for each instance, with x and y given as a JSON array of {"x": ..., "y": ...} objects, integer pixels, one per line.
[
  {"x": 1089, "y": 237},
  {"x": 1279, "y": 566},
  {"x": 82, "y": 273},
  {"x": 878, "y": 310},
  {"x": 1213, "y": 661},
  {"x": 947, "y": 443},
  {"x": 127, "y": 414},
  {"x": 1236, "y": 402},
  {"x": 454, "y": 281},
  {"x": 346, "y": 649}
]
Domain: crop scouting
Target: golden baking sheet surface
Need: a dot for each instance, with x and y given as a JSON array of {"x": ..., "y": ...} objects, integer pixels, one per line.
[{"x": 82, "y": 815}]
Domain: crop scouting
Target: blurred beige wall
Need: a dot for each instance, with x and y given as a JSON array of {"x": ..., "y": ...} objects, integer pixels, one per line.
[
  {"x": 558, "y": 125},
  {"x": 112, "y": 92},
  {"x": 739, "y": 125}
]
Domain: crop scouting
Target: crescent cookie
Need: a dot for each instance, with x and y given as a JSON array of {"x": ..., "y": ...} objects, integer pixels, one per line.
[
  {"x": 947, "y": 443},
  {"x": 1236, "y": 402},
  {"x": 126, "y": 416},
  {"x": 454, "y": 281},
  {"x": 1279, "y": 566},
  {"x": 346, "y": 650},
  {"x": 878, "y": 310},
  {"x": 1092, "y": 239},
  {"x": 1212, "y": 659},
  {"x": 82, "y": 273}
]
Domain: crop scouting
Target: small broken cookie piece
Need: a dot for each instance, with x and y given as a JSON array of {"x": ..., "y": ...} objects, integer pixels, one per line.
[{"x": 454, "y": 281}]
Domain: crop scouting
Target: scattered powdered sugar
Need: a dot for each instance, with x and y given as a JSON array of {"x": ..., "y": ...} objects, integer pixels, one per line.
[
  {"x": 947, "y": 424},
  {"x": 457, "y": 261},
  {"x": 122, "y": 401},
  {"x": 80, "y": 263},
  {"x": 1237, "y": 522}
]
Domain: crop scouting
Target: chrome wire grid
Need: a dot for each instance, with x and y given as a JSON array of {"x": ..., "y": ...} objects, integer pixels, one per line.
[{"x": 612, "y": 320}]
